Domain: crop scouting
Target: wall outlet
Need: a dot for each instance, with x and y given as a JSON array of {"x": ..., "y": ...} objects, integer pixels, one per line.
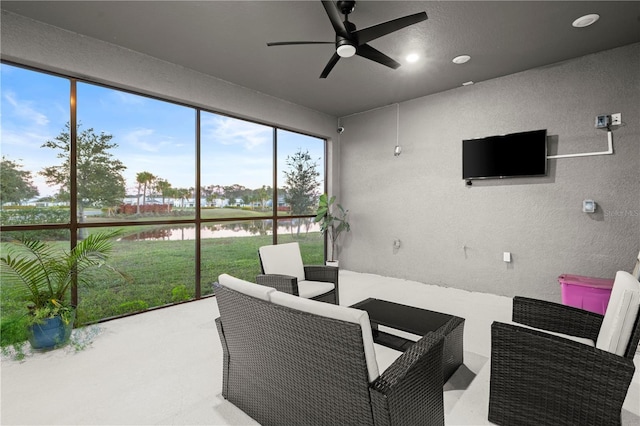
[{"x": 616, "y": 119}]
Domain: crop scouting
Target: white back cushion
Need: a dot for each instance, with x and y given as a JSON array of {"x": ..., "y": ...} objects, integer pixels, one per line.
[
  {"x": 342, "y": 313},
  {"x": 621, "y": 314},
  {"x": 246, "y": 287},
  {"x": 282, "y": 259}
]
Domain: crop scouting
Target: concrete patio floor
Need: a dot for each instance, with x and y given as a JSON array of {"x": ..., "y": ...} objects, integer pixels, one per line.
[{"x": 165, "y": 366}]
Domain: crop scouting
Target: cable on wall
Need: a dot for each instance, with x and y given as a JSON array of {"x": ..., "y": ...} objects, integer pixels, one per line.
[{"x": 398, "y": 149}]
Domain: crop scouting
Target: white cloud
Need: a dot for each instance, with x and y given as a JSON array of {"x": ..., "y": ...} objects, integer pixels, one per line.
[
  {"x": 23, "y": 140},
  {"x": 230, "y": 131},
  {"x": 147, "y": 140},
  {"x": 142, "y": 140},
  {"x": 128, "y": 98},
  {"x": 24, "y": 110}
]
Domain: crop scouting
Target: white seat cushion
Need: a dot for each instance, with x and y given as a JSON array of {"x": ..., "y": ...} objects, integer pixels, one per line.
[
  {"x": 246, "y": 287},
  {"x": 582, "y": 340},
  {"x": 621, "y": 314},
  {"x": 342, "y": 313},
  {"x": 385, "y": 356},
  {"x": 282, "y": 259},
  {"x": 309, "y": 289}
]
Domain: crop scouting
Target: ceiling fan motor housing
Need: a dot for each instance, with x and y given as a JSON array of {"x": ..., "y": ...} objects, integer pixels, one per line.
[
  {"x": 346, "y": 7},
  {"x": 346, "y": 47}
]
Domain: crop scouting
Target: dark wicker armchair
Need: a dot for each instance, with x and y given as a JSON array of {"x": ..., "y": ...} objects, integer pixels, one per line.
[
  {"x": 539, "y": 378},
  {"x": 285, "y": 365},
  {"x": 283, "y": 270}
]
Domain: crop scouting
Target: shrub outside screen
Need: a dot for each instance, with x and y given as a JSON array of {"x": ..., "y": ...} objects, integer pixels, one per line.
[{"x": 516, "y": 154}]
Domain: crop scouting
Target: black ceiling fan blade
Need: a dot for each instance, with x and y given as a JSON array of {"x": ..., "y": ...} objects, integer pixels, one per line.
[
  {"x": 335, "y": 18},
  {"x": 365, "y": 35},
  {"x": 332, "y": 63},
  {"x": 369, "y": 52},
  {"x": 287, "y": 43}
]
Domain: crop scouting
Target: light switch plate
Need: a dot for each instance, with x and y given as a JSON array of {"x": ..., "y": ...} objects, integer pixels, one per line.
[{"x": 589, "y": 206}]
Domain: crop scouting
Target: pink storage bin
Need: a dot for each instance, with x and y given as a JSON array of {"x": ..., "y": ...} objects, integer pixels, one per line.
[{"x": 590, "y": 294}]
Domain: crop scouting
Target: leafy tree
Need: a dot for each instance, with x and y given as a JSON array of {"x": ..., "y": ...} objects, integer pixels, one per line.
[
  {"x": 99, "y": 174},
  {"x": 233, "y": 192},
  {"x": 301, "y": 183},
  {"x": 213, "y": 193},
  {"x": 15, "y": 184},
  {"x": 262, "y": 195}
]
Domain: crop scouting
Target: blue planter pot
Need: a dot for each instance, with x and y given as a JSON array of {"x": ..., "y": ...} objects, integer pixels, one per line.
[{"x": 53, "y": 333}]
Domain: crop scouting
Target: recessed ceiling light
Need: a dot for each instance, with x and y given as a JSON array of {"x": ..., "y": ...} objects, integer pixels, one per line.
[
  {"x": 467, "y": 83},
  {"x": 586, "y": 20},
  {"x": 461, "y": 59},
  {"x": 413, "y": 57}
]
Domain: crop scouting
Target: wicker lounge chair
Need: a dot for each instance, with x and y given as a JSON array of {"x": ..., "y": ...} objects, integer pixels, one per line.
[
  {"x": 539, "y": 378},
  {"x": 294, "y": 361},
  {"x": 283, "y": 270}
]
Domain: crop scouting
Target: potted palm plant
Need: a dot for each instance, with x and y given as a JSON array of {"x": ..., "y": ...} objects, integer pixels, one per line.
[
  {"x": 333, "y": 222},
  {"x": 42, "y": 275}
]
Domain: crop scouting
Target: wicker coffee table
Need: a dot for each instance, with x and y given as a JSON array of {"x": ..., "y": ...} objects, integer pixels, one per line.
[{"x": 416, "y": 321}]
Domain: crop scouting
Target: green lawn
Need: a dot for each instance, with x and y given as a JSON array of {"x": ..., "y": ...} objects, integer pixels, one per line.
[{"x": 160, "y": 272}]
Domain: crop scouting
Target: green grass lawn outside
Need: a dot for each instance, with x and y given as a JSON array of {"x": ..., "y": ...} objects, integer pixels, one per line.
[{"x": 160, "y": 272}]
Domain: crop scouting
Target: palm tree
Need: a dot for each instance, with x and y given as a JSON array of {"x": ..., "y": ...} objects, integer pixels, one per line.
[
  {"x": 143, "y": 179},
  {"x": 164, "y": 188},
  {"x": 42, "y": 274}
]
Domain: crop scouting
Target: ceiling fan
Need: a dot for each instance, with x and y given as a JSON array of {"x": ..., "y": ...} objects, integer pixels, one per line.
[{"x": 350, "y": 41}]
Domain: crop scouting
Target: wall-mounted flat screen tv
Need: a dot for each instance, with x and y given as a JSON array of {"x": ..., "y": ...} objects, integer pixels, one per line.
[{"x": 503, "y": 156}]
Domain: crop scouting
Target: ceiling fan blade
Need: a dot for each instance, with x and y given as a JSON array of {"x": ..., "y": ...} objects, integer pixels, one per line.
[
  {"x": 365, "y": 35},
  {"x": 286, "y": 43},
  {"x": 332, "y": 63},
  {"x": 335, "y": 18},
  {"x": 369, "y": 52}
]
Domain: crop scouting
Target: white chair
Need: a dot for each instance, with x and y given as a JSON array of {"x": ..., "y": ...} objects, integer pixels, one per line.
[{"x": 282, "y": 268}]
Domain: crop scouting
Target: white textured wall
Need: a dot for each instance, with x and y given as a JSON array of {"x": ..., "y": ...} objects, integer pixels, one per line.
[{"x": 421, "y": 199}]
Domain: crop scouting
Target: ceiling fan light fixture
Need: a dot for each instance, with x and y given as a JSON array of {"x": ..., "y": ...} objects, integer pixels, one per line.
[
  {"x": 586, "y": 20},
  {"x": 346, "y": 51},
  {"x": 349, "y": 41}
]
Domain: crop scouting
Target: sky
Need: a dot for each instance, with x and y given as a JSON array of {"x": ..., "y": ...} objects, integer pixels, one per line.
[{"x": 152, "y": 135}]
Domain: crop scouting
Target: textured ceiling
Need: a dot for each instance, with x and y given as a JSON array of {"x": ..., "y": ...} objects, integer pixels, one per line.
[{"x": 227, "y": 39}]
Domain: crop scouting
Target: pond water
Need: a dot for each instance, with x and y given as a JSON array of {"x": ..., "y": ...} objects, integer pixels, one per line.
[{"x": 227, "y": 230}]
